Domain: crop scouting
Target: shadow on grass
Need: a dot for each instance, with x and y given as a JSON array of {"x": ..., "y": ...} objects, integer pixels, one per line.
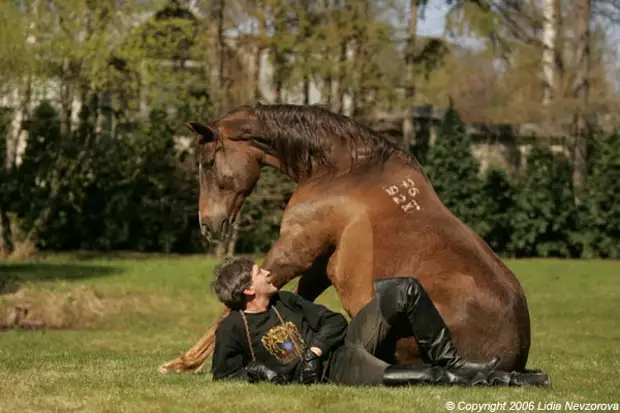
[
  {"x": 88, "y": 255},
  {"x": 12, "y": 275}
]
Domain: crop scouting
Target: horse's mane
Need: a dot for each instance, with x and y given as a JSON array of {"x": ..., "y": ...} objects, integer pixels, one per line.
[{"x": 304, "y": 135}]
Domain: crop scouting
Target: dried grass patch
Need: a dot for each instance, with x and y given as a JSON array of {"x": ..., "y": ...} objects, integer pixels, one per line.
[{"x": 79, "y": 307}]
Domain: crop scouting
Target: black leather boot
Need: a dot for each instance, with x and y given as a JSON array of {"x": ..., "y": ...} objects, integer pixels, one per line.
[
  {"x": 403, "y": 299},
  {"x": 399, "y": 375}
]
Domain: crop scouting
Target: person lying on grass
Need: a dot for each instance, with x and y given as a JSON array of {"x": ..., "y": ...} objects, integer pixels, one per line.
[{"x": 279, "y": 337}]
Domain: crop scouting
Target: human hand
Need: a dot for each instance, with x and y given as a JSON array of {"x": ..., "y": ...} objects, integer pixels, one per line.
[
  {"x": 311, "y": 366},
  {"x": 259, "y": 372}
]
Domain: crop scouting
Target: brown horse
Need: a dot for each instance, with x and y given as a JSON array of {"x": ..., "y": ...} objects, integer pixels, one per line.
[{"x": 362, "y": 210}]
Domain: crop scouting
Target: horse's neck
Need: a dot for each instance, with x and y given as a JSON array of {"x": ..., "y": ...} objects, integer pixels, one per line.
[
  {"x": 408, "y": 163},
  {"x": 340, "y": 160},
  {"x": 335, "y": 165}
]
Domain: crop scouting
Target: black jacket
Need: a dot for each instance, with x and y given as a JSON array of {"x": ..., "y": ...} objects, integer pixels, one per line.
[{"x": 279, "y": 346}]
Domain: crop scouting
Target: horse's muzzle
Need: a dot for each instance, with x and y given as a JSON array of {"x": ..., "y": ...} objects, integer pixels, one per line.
[{"x": 216, "y": 229}]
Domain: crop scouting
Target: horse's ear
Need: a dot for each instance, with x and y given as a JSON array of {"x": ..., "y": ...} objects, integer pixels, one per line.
[{"x": 206, "y": 133}]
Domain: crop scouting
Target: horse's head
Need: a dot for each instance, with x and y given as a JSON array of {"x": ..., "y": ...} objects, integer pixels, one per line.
[{"x": 228, "y": 170}]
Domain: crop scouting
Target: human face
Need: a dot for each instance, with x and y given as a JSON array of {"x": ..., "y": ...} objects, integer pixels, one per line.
[{"x": 261, "y": 283}]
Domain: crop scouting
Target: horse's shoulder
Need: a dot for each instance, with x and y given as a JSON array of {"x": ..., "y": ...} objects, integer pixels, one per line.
[{"x": 316, "y": 207}]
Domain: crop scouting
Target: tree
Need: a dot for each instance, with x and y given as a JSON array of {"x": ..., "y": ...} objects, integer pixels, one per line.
[
  {"x": 545, "y": 219},
  {"x": 581, "y": 93},
  {"x": 474, "y": 90},
  {"x": 43, "y": 174},
  {"x": 5, "y": 239},
  {"x": 408, "y": 126},
  {"x": 601, "y": 200},
  {"x": 259, "y": 220},
  {"x": 501, "y": 194},
  {"x": 18, "y": 67},
  {"x": 551, "y": 30},
  {"x": 453, "y": 171}
]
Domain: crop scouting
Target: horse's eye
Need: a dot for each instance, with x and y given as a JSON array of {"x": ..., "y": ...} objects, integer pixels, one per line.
[
  {"x": 246, "y": 132},
  {"x": 207, "y": 161},
  {"x": 262, "y": 141}
]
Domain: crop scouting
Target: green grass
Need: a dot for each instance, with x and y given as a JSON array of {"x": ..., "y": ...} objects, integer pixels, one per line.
[{"x": 111, "y": 365}]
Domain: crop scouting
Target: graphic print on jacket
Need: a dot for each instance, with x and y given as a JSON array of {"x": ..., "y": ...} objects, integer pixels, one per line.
[{"x": 284, "y": 342}]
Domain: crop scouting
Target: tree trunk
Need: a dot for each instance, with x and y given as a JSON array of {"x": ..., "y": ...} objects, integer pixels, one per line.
[
  {"x": 17, "y": 135},
  {"x": 356, "y": 76},
  {"x": 217, "y": 44},
  {"x": 559, "y": 51},
  {"x": 66, "y": 99},
  {"x": 280, "y": 61},
  {"x": 580, "y": 93},
  {"x": 306, "y": 89},
  {"x": 224, "y": 84},
  {"x": 278, "y": 80},
  {"x": 258, "y": 52},
  {"x": 306, "y": 48},
  {"x": 549, "y": 51},
  {"x": 359, "y": 61},
  {"x": 277, "y": 96},
  {"x": 408, "y": 126},
  {"x": 4, "y": 241},
  {"x": 339, "y": 87},
  {"x": 260, "y": 48},
  {"x": 328, "y": 81},
  {"x": 59, "y": 182}
]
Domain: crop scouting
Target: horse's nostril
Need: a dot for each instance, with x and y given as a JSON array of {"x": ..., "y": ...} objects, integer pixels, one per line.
[{"x": 205, "y": 229}]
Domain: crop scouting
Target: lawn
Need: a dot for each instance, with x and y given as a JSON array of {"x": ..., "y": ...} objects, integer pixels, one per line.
[{"x": 123, "y": 316}]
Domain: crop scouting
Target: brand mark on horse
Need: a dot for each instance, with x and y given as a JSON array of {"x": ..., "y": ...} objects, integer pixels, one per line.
[{"x": 404, "y": 196}]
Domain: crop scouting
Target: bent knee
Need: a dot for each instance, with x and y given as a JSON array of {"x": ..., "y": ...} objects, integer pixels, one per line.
[
  {"x": 395, "y": 285},
  {"x": 395, "y": 295}
]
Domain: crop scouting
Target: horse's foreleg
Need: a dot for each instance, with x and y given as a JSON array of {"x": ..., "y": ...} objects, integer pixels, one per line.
[
  {"x": 193, "y": 360},
  {"x": 295, "y": 253}
]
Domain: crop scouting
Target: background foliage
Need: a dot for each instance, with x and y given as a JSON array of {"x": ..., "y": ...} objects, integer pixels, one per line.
[
  {"x": 93, "y": 97},
  {"x": 140, "y": 193}
]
